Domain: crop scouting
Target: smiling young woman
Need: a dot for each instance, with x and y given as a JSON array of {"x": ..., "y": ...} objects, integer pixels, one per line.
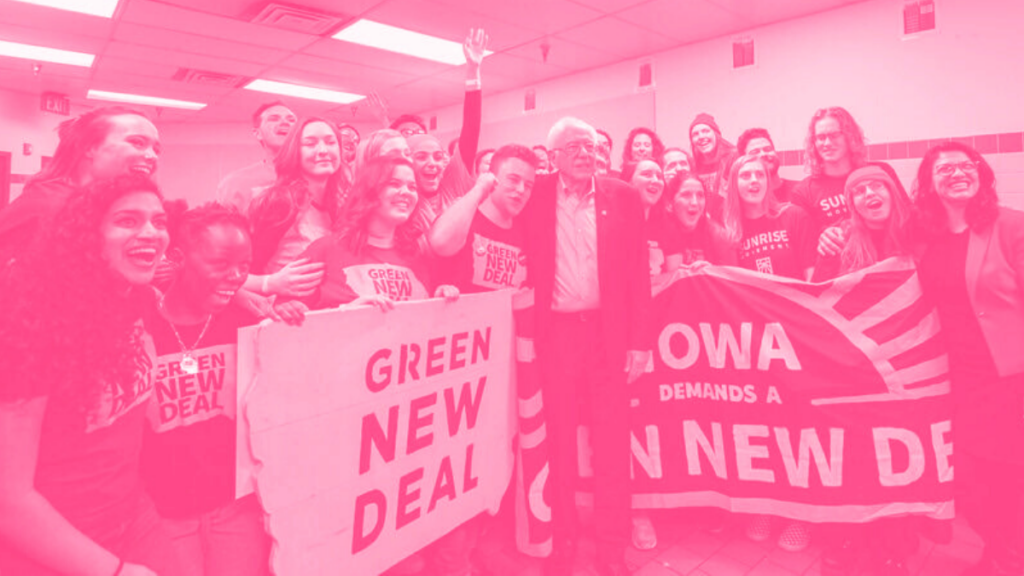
[
  {"x": 76, "y": 360},
  {"x": 188, "y": 457},
  {"x": 376, "y": 257},
  {"x": 104, "y": 143},
  {"x": 973, "y": 270}
]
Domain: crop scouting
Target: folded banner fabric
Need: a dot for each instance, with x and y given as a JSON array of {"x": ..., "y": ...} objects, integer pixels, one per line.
[
  {"x": 373, "y": 434},
  {"x": 818, "y": 402}
]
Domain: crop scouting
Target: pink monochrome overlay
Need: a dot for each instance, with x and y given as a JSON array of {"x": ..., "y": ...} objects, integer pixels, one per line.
[{"x": 511, "y": 287}]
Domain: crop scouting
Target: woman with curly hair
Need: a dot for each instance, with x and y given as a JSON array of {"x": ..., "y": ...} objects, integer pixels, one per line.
[
  {"x": 76, "y": 361},
  {"x": 376, "y": 257},
  {"x": 103, "y": 143},
  {"x": 973, "y": 270},
  {"x": 834, "y": 148},
  {"x": 642, "y": 143},
  {"x": 301, "y": 207}
]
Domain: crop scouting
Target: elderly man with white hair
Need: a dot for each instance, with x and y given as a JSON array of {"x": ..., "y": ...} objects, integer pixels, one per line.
[{"x": 588, "y": 261}]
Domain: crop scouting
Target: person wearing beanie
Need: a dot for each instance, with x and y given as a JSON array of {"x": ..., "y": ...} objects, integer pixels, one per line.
[
  {"x": 757, "y": 142},
  {"x": 834, "y": 148},
  {"x": 878, "y": 226},
  {"x": 712, "y": 154}
]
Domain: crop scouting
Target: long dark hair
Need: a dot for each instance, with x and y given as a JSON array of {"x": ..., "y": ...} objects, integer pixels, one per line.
[
  {"x": 982, "y": 210},
  {"x": 657, "y": 146},
  {"x": 364, "y": 201},
  {"x": 273, "y": 212},
  {"x": 67, "y": 327},
  {"x": 77, "y": 136}
]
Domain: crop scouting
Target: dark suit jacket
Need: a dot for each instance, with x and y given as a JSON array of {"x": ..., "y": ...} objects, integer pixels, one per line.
[
  {"x": 622, "y": 260},
  {"x": 995, "y": 285}
]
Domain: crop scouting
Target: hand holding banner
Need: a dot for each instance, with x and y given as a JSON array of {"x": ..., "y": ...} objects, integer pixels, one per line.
[{"x": 376, "y": 433}]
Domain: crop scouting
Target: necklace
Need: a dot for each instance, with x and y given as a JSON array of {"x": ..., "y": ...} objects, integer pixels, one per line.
[{"x": 189, "y": 364}]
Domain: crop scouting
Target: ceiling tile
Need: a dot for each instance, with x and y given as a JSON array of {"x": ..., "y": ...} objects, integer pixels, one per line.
[
  {"x": 43, "y": 35},
  {"x": 156, "y": 69},
  {"x": 451, "y": 22},
  {"x": 424, "y": 94},
  {"x": 685, "y": 23},
  {"x": 618, "y": 37},
  {"x": 168, "y": 55},
  {"x": 25, "y": 81},
  {"x": 19, "y": 13},
  {"x": 169, "y": 17},
  {"x": 120, "y": 81},
  {"x": 542, "y": 16},
  {"x": 358, "y": 75},
  {"x": 245, "y": 8},
  {"x": 195, "y": 44},
  {"x": 760, "y": 13},
  {"x": 348, "y": 52},
  {"x": 609, "y": 6},
  {"x": 563, "y": 54}
]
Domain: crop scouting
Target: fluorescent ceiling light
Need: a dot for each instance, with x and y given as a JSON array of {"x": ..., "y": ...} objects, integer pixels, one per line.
[
  {"x": 43, "y": 54},
  {"x": 104, "y": 8},
  {"x": 303, "y": 91},
  {"x": 148, "y": 100},
  {"x": 392, "y": 39}
]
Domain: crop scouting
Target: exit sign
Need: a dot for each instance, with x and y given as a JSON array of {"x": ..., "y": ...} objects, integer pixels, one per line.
[{"x": 56, "y": 103}]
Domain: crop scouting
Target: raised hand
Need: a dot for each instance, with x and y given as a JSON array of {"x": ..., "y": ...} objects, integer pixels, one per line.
[
  {"x": 474, "y": 47},
  {"x": 376, "y": 105}
]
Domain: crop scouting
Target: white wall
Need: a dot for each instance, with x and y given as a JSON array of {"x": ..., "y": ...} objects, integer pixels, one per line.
[
  {"x": 22, "y": 122},
  {"x": 963, "y": 79}
]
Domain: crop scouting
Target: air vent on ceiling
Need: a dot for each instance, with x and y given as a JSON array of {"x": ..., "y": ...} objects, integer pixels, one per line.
[
  {"x": 743, "y": 53},
  {"x": 530, "y": 101},
  {"x": 207, "y": 78},
  {"x": 918, "y": 16},
  {"x": 298, "y": 19},
  {"x": 646, "y": 75}
]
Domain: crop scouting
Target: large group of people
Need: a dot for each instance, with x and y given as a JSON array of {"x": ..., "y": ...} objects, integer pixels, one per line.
[{"x": 108, "y": 291}]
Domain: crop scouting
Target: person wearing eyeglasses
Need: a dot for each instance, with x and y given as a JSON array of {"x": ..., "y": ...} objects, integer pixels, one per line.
[
  {"x": 973, "y": 270},
  {"x": 834, "y": 148},
  {"x": 589, "y": 268},
  {"x": 271, "y": 124},
  {"x": 409, "y": 125}
]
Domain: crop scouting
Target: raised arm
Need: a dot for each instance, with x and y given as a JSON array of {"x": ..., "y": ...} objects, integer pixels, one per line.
[
  {"x": 472, "y": 109},
  {"x": 448, "y": 233}
]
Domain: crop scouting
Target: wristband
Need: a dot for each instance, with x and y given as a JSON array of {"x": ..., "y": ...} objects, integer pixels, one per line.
[
  {"x": 473, "y": 84},
  {"x": 120, "y": 566},
  {"x": 266, "y": 285}
]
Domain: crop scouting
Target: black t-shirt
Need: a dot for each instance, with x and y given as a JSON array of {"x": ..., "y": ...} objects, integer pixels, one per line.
[
  {"x": 374, "y": 271},
  {"x": 781, "y": 245},
  {"x": 188, "y": 458},
  {"x": 492, "y": 258},
  {"x": 88, "y": 460},
  {"x": 706, "y": 242},
  {"x": 662, "y": 241},
  {"x": 823, "y": 200},
  {"x": 785, "y": 192}
]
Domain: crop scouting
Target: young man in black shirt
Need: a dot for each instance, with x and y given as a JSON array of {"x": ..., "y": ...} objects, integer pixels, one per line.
[{"x": 479, "y": 235}]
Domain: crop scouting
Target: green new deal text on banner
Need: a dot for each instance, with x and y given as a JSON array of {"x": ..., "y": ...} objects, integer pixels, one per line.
[{"x": 372, "y": 434}]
